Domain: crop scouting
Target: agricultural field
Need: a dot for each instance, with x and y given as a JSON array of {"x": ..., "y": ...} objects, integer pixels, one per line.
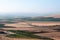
[{"x": 33, "y": 28}]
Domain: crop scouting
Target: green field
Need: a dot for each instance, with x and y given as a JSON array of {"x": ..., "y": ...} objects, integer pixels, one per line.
[{"x": 25, "y": 34}]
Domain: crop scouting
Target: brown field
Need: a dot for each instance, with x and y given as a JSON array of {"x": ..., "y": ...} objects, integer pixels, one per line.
[
  {"x": 45, "y": 23},
  {"x": 20, "y": 24},
  {"x": 54, "y": 35}
]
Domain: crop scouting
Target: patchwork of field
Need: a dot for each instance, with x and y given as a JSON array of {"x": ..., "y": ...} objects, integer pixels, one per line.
[
  {"x": 33, "y": 26},
  {"x": 29, "y": 23}
]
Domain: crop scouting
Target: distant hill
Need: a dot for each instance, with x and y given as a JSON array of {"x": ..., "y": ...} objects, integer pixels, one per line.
[
  {"x": 56, "y": 16},
  {"x": 44, "y": 18}
]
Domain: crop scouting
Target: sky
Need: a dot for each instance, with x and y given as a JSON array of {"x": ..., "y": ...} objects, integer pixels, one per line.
[{"x": 30, "y": 6}]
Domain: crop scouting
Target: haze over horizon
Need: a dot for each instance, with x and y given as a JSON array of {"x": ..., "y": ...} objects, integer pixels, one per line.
[{"x": 29, "y": 7}]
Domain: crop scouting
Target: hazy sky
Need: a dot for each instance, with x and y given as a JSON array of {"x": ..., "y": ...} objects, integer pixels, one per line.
[{"x": 30, "y": 6}]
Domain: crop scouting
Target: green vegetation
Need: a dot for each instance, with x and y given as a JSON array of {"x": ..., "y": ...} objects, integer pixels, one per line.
[{"x": 25, "y": 34}]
